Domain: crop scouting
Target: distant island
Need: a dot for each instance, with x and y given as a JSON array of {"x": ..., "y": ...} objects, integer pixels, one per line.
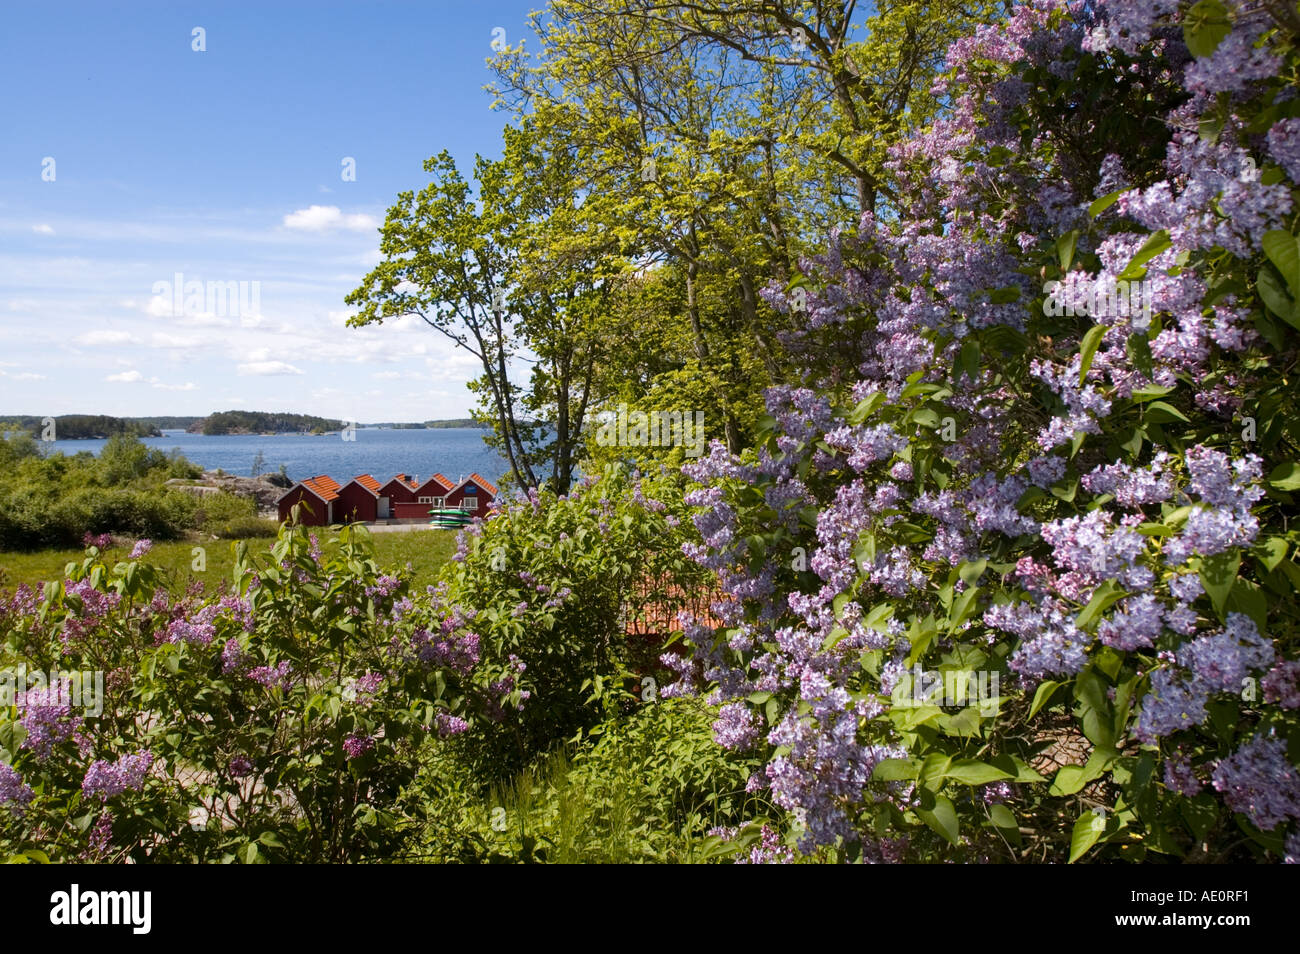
[
  {"x": 73, "y": 427},
  {"x": 101, "y": 426},
  {"x": 431, "y": 425},
  {"x": 263, "y": 422}
]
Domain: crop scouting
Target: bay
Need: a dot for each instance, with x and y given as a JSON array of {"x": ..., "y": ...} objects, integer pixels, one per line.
[{"x": 456, "y": 452}]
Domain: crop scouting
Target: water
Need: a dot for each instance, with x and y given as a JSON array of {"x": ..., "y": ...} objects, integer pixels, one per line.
[{"x": 456, "y": 452}]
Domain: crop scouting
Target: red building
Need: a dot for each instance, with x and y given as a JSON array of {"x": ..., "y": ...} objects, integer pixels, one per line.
[
  {"x": 358, "y": 501},
  {"x": 364, "y": 500},
  {"x": 474, "y": 495},
  {"x": 428, "y": 496},
  {"x": 317, "y": 494}
]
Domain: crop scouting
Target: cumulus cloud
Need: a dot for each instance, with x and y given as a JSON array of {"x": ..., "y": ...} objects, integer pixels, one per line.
[
  {"x": 126, "y": 377},
  {"x": 43, "y": 229},
  {"x": 327, "y": 218}
]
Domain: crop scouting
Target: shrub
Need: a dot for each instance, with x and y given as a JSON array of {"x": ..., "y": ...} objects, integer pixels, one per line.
[
  {"x": 994, "y": 468},
  {"x": 279, "y": 720}
]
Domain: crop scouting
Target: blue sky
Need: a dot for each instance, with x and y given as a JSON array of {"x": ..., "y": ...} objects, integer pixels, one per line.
[{"x": 226, "y": 166}]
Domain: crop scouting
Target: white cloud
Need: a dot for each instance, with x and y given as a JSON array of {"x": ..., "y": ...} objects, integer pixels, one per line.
[
  {"x": 22, "y": 375},
  {"x": 187, "y": 386},
  {"x": 267, "y": 368},
  {"x": 105, "y": 337},
  {"x": 43, "y": 229},
  {"x": 326, "y": 218},
  {"x": 126, "y": 377}
]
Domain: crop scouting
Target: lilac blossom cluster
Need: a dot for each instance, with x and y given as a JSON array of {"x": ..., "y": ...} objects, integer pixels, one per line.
[{"x": 110, "y": 779}]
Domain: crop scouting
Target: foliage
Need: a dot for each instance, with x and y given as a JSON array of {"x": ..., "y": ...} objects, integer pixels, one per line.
[
  {"x": 548, "y": 585},
  {"x": 650, "y": 789},
  {"x": 996, "y": 468},
  {"x": 58, "y": 500},
  {"x": 280, "y": 720}
]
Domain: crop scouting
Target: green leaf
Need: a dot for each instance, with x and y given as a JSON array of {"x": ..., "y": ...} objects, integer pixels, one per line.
[
  {"x": 968, "y": 362},
  {"x": 1271, "y": 552},
  {"x": 1285, "y": 476},
  {"x": 1105, "y": 202},
  {"x": 1088, "y": 348},
  {"x": 1161, "y": 412},
  {"x": 1103, "y": 597},
  {"x": 942, "y": 818},
  {"x": 1041, "y": 696},
  {"x": 971, "y": 571},
  {"x": 1069, "y": 779},
  {"x": 866, "y": 407},
  {"x": 1275, "y": 297},
  {"x": 1002, "y": 817},
  {"x": 1090, "y": 827},
  {"x": 894, "y": 770},
  {"x": 1218, "y": 573},
  {"x": 975, "y": 772},
  {"x": 1283, "y": 250},
  {"x": 1065, "y": 248},
  {"x": 1157, "y": 243},
  {"x": 1205, "y": 26}
]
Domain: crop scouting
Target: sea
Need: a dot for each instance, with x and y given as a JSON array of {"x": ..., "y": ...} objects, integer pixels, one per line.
[{"x": 455, "y": 452}]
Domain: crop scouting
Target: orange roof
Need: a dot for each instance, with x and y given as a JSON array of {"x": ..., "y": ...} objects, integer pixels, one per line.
[
  {"x": 365, "y": 480},
  {"x": 405, "y": 479},
  {"x": 444, "y": 480},
  {"x": 323, "y": 486},
  {"x": 483, "y": 482}
]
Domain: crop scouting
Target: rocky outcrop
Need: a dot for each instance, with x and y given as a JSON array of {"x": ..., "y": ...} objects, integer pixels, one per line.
[{"x": 266, "y": 489}]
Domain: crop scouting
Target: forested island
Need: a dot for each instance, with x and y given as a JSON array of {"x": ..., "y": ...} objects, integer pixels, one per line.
[
  {"x": 71, "y": 427},
  {"x": 263, "y": 422}
]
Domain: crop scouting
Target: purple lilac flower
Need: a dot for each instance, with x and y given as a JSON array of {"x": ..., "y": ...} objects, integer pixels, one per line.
[
  {"x": 1222, "y": 660},
  {"x": 448, "y": 724},
  {"x": 1176, "y": 701},
  {"x": 109, "y": 779},
  {"x": 1133, "y": 486},
  {"x": 279, "y": 676},
  {"x": 1259, "y": 781},
  {"x": 1282, "y": 685},
  {"x": 141, "y": 548},
  {"x": 241, "y": 766},
  {"x": 13, "y": 791},
  {"x": 1139, "y": 622},
  {"x": 1186, "y": 587},
  {"x": 1181, "y": 777},
  {"x": 736, "y": 727},
  {"x": 47, "y": 718},
  {"x": 769, "y": 850},
  {"x": 1284, "y": 145},
  {"x": 233, "y": 657},
  {"x": 356, "y": 746}
]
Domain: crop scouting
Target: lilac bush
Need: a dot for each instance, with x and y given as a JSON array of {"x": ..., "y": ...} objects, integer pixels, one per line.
[{"x": 1043, "y": 433}]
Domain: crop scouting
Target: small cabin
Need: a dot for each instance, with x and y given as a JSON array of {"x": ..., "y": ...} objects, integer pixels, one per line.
[
  {"x": 318, "y": 494},
  {"x": 358, "y": 501},
  {"x": 474, "y": 495}
]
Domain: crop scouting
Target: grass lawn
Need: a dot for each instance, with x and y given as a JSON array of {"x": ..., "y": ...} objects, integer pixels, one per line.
[{"x": 425, "y": 550}]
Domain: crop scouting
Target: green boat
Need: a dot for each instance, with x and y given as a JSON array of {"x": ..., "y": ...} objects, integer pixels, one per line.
[{"x": 450, "y": 519}]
